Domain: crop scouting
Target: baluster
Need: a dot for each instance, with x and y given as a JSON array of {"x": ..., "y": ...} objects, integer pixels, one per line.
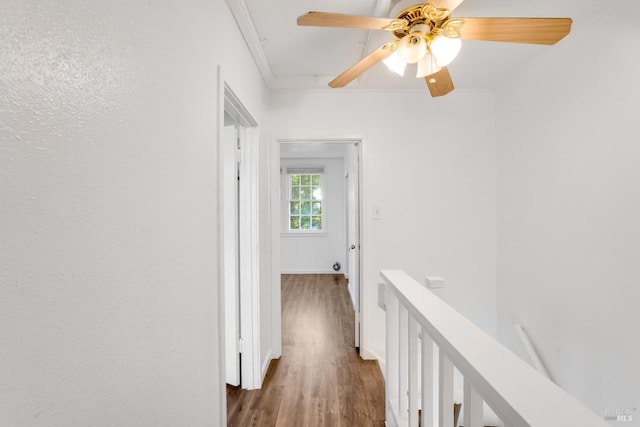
[
  {"x": 472, "y": 406},
  {"x": 392, "y": 367},
  {"x": 404, "y": 362},
  {"x": 446, "y": 390},
  {"x": 427, "y": 380},
  {"x": 413, "y": 372}
]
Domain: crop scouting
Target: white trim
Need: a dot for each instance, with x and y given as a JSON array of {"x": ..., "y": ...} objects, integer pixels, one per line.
[
  {"x": 242, "y": 16},
  {"x": 304, "y": 233},
  {"x": 249, "y": 245},
  {"x": 249, "y": 255},
  {"x": 371, "y": 355},
  {"x": 310, "y": 272},
  {"x": 265, "y": 366},
  {"x": 219, "y": 289},
  {"x": 362, "y": 289},
  {"x": 531, "y": 351},
  {"x": 274, "y": 206},
  {"x": 350, "y": 140}
]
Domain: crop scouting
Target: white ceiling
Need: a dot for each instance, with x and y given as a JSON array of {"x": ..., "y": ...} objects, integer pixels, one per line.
[{"x": 292, "y": 57}]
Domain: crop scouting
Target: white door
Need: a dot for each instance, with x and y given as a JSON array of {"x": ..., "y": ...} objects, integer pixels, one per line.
[
  {"x": 230, "y": 253},
  {"x": 353, "y": 232}
]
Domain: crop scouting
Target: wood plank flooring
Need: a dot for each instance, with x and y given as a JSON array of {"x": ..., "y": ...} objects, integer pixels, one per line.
[{"x": 320, "y": 380}]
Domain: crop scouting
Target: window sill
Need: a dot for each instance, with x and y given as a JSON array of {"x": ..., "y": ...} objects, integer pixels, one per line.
[{"x": 304, "y": 234}]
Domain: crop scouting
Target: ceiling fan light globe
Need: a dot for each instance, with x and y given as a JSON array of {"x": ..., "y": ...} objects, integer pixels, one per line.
[
  {"x": 395, "y": 64},
  {"x": 427, "y": 66},
  {"x": 445, "y": 49},
  {"x": 412, "y": 48}
]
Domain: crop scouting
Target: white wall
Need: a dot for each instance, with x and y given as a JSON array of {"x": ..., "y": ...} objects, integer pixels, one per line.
[
  {"x": 315, "y": 254},
  {"x": 430, "y": 165},
  {"x": 108, "y": 177},
  {"x": 569, "y": 209}
]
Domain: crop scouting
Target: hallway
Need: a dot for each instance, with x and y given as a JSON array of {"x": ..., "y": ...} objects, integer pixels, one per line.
[{"x": 320, "y": 380}]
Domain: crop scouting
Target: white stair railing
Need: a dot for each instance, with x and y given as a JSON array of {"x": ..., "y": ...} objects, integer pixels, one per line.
[{"x": 416, "y": 320}]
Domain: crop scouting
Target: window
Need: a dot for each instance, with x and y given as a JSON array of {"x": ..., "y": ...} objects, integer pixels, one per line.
[{"x": 305, "y": 202}]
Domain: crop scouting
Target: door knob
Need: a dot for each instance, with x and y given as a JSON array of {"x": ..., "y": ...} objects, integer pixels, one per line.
[{"x": 352, "y": 246}]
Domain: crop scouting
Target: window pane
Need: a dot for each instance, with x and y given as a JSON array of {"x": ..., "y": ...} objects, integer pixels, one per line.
[
  {"x": 305, "y": 222},
  {"x": 305, "y": 202},
  {"x": 316, "y": 223},
  {"x": 295, "y": 193},
  {"x": 316, "y": 193},
  {"x": 305, "y": 193},
  {"x": 294, "y": 222}
]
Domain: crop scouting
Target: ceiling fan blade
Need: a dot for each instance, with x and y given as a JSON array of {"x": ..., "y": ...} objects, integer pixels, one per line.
[
  {"x": 439, "y": 83},
  {"x": 516, "y": 30},
  {"x": 445, "y": 4},
  {"x": 367, "y": 62},
  {"x": 326, "y": 19}
]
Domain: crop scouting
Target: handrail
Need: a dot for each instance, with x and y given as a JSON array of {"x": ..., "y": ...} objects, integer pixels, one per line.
[
  {"x": 516, "y": 392},
  {"x": 531, "y": 351}
]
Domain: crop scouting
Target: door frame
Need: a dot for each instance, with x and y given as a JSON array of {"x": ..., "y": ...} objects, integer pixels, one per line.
[
  {"x": 248, "y": 224},
  {"x": 275, "y": 230},
  {"x": 229, "y": 240}
]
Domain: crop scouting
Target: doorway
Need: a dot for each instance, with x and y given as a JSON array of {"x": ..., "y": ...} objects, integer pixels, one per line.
[
  {"x": 238, "y": 250},
  {"x": 319, "y": 158}
]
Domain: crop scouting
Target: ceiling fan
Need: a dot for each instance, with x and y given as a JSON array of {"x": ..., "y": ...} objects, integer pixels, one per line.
[{"x": 426, "y": 34}]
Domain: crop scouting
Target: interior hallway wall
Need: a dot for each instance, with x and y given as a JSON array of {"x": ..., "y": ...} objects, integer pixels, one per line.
[
  {"x": 108, "y": 209},
  {"x": 568, "y": 210},
  {"x": 429, "y": 165}
]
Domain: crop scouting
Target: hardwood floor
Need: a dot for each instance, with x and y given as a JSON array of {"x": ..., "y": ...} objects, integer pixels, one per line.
[{"x": 320, "y": 380}]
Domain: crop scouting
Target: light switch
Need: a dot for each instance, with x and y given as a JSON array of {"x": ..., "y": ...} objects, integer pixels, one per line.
[{"x": 377, "y": 212}]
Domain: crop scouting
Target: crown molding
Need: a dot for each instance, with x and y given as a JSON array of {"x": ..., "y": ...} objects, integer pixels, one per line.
[{"x": 241, "y": 14}]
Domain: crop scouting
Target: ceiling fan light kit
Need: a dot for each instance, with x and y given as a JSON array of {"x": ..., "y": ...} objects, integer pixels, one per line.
[
  {"x": 427, "y": 66},
  {"x": 395, "y": 64},
  {"x": 412, "y": 47},
  {"x": 445, "y": 49},
  {"x": 427, "y": 35}
]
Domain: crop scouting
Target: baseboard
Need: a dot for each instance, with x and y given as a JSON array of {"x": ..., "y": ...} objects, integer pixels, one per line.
[
  {"x": 370, "y": 355},
  {"x": 310, "y": 272},
  {"x": 265, "y": 367}
]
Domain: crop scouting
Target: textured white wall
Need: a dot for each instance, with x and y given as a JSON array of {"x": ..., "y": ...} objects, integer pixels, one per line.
[
  {"x": 316, "y": 254},
  {"x": 108, "y": 302},
  {"x": 430, "y": 165},
  {"x": 568, "y": 229}
]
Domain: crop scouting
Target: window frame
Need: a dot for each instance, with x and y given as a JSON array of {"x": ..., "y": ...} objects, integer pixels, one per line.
[{"x": 323, "y": 204}]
